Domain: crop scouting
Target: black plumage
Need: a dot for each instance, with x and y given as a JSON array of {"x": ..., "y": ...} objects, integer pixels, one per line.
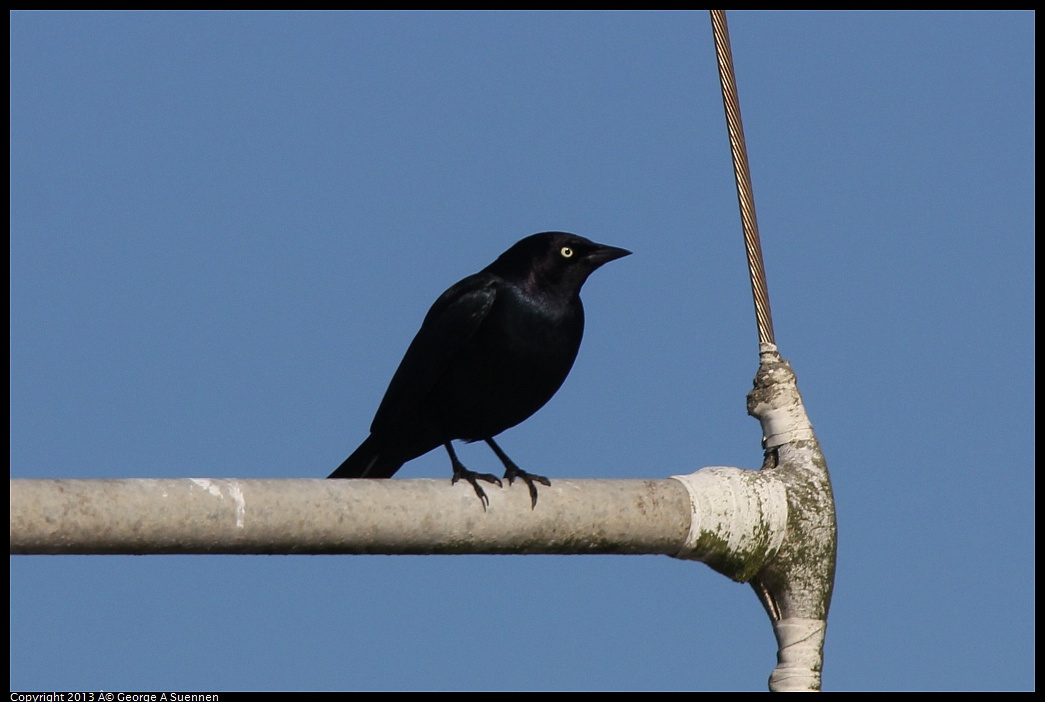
[{"x": 492, "y": 350}]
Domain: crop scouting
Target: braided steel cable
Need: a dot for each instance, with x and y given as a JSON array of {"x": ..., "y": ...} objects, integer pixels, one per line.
[{"x": 745, "y": 196}]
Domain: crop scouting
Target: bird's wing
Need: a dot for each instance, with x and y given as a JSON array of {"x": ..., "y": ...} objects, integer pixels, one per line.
[{"x": 449, "y": 324}]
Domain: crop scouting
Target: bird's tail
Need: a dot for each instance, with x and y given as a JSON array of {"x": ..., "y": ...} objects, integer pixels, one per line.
[{"x": 369, "y": 461}]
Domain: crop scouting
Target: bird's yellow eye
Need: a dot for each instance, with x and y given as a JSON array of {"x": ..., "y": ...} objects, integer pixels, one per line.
[{"x": 566, "y": 252}]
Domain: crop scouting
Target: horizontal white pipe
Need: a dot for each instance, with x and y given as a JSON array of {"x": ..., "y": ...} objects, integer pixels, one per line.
[{"x": 206, "y": 515}]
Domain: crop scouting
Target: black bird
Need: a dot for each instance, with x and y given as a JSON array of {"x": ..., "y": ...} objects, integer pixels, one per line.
[{"x": 493, "y": 350}]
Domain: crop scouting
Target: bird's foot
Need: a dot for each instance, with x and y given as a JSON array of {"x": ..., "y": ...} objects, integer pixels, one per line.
[
  {"x": 471, "y": 477},
  {"x": 513, "y": 471}
]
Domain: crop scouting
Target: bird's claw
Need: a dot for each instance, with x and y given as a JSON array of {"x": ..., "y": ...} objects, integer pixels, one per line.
[
  {"x": 471, "y": 477},
  {"x": 513, "y": 471}
]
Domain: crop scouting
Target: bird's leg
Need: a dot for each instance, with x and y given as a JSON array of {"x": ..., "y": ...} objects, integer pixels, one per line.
[
  {"x": 462, "y": 473},
  {"x": 512, "y": 471}
]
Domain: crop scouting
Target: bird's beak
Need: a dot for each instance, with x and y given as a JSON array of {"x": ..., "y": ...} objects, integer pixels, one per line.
[{"x": 605, "y": 254}]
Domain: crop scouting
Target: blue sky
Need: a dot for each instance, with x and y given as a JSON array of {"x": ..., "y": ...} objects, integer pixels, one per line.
[{"x": 226, "y": 228}]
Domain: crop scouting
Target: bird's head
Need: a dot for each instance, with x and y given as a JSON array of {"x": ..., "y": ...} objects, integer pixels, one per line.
[{"x": 554, "y": 262}]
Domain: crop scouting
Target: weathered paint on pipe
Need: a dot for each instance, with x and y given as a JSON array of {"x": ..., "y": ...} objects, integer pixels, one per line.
[{"x": 207, "y": 515}]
